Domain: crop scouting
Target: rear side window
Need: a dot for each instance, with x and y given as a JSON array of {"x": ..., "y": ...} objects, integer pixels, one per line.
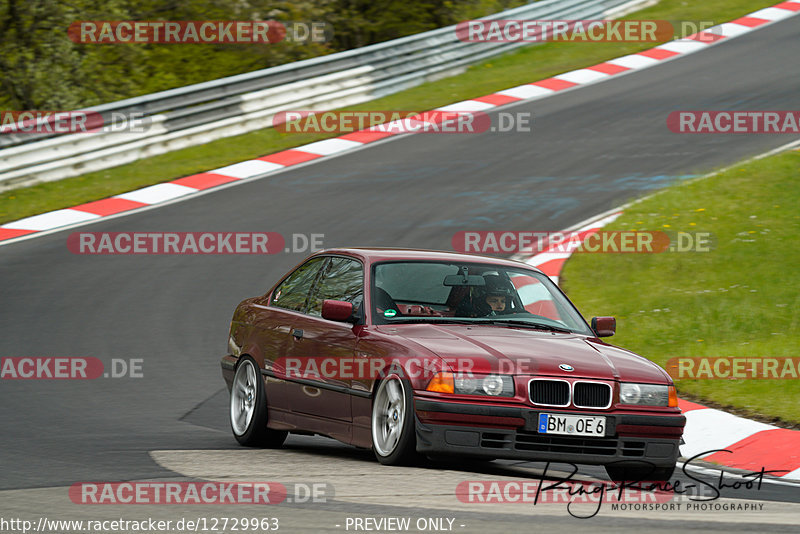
[
  {"x": 293, "y": 292},
  {"x": 342, "y": 279}
]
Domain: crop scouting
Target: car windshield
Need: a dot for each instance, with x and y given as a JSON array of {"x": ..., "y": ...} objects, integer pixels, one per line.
[{"x": 446, "y": 292}]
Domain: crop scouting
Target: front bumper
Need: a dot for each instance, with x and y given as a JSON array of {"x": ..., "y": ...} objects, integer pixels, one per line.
[{"x": 510, "y": 433}]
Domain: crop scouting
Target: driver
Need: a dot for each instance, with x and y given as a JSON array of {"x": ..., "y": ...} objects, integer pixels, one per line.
[
  {"x": 493, "y": 298},
  {"x": 496, "y": 295}
]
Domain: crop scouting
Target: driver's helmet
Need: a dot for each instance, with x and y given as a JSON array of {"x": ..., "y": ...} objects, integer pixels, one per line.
[{"x": 496, "y": 296}]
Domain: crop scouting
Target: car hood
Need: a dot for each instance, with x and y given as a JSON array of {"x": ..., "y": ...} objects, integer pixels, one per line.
[{"x": 507, "y": 350}]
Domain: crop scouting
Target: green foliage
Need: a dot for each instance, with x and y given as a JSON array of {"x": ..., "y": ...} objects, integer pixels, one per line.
[
  {"x": 43, "y": 69},
  {"x": 521, "y": 66},
  {"x": 741, "y": 299}
]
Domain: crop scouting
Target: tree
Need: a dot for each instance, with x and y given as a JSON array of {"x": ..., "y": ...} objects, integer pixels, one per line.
[{"x": 41, "y": 68}]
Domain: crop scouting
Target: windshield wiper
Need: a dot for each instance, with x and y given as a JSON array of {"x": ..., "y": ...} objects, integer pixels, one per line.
[
  {"x": 431, "y": 319},
  {"x": 510, "y": 322},
  {"x": 529, "y": 324}
]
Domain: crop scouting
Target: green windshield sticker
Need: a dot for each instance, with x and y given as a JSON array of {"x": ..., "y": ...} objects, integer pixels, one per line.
[{"x": 389, "y": 313}]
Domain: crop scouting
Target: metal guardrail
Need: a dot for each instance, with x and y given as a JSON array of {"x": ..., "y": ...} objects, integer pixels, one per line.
[{"x": 200, "y": 113}]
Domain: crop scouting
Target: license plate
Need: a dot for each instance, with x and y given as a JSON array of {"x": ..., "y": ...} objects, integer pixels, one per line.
[{"x": 571, "y": 425}]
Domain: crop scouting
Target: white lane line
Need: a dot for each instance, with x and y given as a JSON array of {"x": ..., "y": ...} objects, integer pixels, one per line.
[
  {"x": 196, "y": 193},
  {"x": 772, "y": 13},
  {"x": 634, "y": 61},
  {"x": 684, "y": 46},
  {"x": 715, "y": 473},
  {"x": 729, "y": 29},
  {"x": 158, "y": 193},
  {"x": 51, "y": 219},
  {"x": 793, "y": 475},
  {"x": 582, "y": 76},
  {"x": 466, "y": 105},
  {"x": 246, "y": 169},
  {"x": 326, "y": 147},
  {"x": 526, "y": 91},
  {"x": 710, "y": 429},
  {"x": 544, "y": 257}
]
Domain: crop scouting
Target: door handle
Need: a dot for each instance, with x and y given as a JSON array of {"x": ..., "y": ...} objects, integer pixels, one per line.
[
  {"x": 297, "y": 333},
  {"x": 312, "y": 391}
]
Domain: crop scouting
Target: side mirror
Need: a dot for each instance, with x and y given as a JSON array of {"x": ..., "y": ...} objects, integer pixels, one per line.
[
  {"x": 337, "y": 310},
  {"x": 604, "y": 326}
]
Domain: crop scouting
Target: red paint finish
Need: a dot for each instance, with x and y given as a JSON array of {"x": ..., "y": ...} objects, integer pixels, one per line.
[
  {"x": 339, "y": 404},
  {"x": 783, "y": 446},
  {"x": 555, "y": 84},
  {"x": 290, "y": 157},
  {"x": 109, "y": 206},
  {"x": 608, "y": 68},
  {"x": 658, "y": 53},
  {"x": 204, "y": 180},
  {"x": 9, "y": 233}
]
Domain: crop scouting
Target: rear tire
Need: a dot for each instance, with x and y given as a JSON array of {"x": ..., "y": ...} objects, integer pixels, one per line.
[
  {"x": 249, "y": 410},
  {"x": 635, "y": 472},
  {"x": 394, "y": 439}
]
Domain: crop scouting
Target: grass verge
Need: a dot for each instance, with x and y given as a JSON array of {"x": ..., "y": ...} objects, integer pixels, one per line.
[
  {"x": 742, "y": 299},
  {"x": 523, "y": 66}
]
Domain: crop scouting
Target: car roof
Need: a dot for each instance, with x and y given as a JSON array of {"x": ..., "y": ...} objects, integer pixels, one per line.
[{"x": 375, "y": 255}]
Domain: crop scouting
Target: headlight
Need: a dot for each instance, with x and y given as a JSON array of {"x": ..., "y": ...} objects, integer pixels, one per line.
[
  {"x": 491, "y": 385},
  {"x": 466, "y": 385},
  {"x": 647, "y": 395}
]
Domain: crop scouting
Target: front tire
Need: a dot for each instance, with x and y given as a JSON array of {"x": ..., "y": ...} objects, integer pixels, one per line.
[
  {"x": 248, "y": 408},
  {"x": 394, "y": 439}
]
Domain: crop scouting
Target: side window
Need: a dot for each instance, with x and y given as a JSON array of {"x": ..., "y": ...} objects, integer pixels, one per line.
[
  {"x": 343, "y": 279},
  {"x": 292, "y": 294}
]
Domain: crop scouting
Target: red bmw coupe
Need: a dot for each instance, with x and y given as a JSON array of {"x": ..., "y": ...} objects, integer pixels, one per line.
[{"x": 420, "y": 353}]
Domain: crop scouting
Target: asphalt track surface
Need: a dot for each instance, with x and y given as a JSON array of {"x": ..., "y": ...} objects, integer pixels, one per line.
[{"x": 590, "y": 150}]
